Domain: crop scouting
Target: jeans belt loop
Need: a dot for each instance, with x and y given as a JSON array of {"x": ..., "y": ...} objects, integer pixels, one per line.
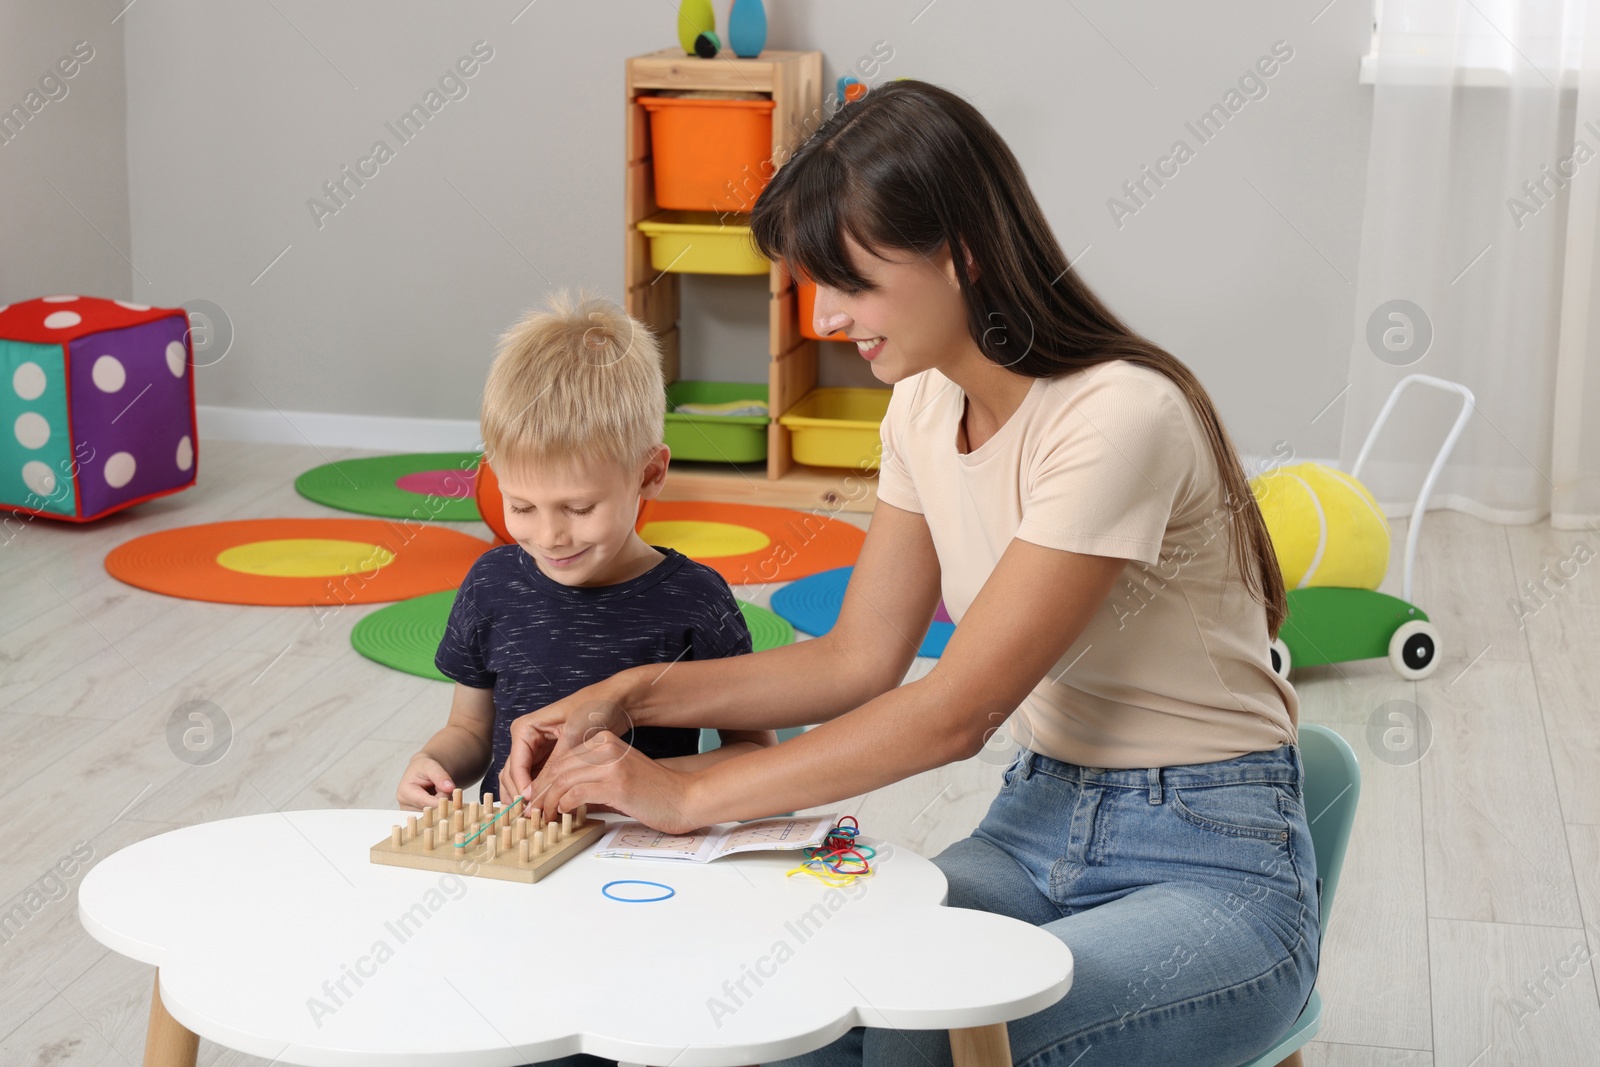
[
  {"x": 1027, "y": 763},
  {"x": 1155, "y": 785}
]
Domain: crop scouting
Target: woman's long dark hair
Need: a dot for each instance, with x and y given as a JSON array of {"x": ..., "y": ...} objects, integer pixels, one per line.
[{"x": 915, "y": 168}]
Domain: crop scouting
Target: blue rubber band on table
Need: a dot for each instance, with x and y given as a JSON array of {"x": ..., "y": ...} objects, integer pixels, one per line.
[
  {"x": 812, "y": 604},
  {"x": 605, "y": 890}
]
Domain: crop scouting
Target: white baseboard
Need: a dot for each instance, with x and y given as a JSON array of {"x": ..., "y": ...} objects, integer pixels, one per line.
[{"x": 380, "y": 433}]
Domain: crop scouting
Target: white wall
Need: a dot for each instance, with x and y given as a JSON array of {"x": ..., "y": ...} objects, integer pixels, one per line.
[
  {"x": 63, "y": 167},
  {"x": 237, "y": 113}
]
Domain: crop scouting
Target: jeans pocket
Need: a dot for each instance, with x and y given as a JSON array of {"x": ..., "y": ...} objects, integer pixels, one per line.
[
  {"x": 1239, "y": 809},
  {"x": 1009, "y": 779}
]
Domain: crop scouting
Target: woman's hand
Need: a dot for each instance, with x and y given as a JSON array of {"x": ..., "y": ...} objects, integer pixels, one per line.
[
  {"x": 425, "y": 780},
  {"x": 609, "y": 775},
  {"x": 555, "y": 729}
]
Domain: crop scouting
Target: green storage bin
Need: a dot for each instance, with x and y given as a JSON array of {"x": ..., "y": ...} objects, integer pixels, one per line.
[{"x": 717, "y": 438}]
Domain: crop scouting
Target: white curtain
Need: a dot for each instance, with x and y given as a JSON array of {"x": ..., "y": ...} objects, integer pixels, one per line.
[{"x": 1483, "y": 189}]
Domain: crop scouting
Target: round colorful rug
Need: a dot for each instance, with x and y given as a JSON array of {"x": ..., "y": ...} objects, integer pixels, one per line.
[
  {"x": 812, "y": 605},
  {"x": 750, "y": 544},
  {"x": 416, "y": 485},
  {"x": 296, "y": 562}
]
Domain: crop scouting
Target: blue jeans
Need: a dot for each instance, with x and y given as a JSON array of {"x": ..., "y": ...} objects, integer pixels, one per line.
[{"x": 1188, "y": 895}]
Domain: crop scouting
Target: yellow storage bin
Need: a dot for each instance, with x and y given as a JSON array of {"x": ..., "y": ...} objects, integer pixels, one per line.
[
  {"x": 699, "y": 242},
  {"x": 836, "y": 427}
]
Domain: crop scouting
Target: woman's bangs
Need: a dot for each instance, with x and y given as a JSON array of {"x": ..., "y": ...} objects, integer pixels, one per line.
[{"x": 806, "y": 228}]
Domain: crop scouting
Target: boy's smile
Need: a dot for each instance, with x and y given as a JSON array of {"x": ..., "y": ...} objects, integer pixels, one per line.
[{"x": 576, "y": 517}]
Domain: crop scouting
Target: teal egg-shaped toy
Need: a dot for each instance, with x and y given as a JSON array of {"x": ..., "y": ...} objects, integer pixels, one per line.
[{"x": 747, "y": 28}]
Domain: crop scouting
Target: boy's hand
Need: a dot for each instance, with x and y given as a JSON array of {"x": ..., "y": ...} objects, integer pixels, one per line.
[{"x": 423, "y": 782}]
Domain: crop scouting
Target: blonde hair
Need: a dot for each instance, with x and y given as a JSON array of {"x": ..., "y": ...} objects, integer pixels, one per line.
[{"x": 574, "y": 380}]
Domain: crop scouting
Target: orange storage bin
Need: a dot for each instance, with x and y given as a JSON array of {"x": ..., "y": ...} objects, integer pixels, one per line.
[
  {"x": 806, "y": 301},
  {"x": 710, "y": 155}
]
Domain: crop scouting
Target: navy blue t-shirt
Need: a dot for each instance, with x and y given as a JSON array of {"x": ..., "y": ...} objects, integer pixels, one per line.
[{"x": 532, "y": 640}]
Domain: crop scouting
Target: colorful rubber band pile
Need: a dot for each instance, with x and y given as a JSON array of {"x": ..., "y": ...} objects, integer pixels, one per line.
[{"x": 839, "y": 860}]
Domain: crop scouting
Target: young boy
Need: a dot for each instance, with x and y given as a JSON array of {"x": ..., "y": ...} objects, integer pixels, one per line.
[{"x": 572, "y": 419}]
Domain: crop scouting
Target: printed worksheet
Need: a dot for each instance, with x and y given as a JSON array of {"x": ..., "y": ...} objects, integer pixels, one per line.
[{"x": 632, "y": 840}]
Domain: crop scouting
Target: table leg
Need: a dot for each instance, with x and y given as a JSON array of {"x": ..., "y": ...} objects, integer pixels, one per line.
[
  {"x": 981, "y": 1046},
  {"x": 168, "y": 1043}
]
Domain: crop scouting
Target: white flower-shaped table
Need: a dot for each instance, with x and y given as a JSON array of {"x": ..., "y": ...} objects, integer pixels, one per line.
[{"x": 275, "y": 935}]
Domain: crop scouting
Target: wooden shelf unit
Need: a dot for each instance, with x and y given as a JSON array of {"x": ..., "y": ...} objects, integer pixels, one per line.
[{"x": 794, "y": 81}]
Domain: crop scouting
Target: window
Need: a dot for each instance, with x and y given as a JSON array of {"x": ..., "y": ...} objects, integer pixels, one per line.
[{"x": 1476, "y": 42}]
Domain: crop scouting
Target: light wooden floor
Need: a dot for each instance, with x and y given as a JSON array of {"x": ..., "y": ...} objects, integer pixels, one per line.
[{"x": 1473, "y": 876}]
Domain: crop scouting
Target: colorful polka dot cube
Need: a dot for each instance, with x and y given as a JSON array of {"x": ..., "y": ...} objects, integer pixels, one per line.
[{"x": 96, "y": 406}]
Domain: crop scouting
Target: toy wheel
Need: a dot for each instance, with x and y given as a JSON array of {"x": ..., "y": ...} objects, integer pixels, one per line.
[
  {"x": 1414, "y": 649},
  {"x": 1280, "y": 658}
]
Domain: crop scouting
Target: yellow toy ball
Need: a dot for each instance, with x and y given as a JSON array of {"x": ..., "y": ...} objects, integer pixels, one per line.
[{"x": 1326, "y": 528}]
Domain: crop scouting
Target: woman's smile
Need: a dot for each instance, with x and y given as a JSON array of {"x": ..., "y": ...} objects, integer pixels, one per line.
[{"x": 869, "y": 347}]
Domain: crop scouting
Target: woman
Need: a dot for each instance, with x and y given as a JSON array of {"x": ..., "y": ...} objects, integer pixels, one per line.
[{"x": 1069, "y": 488}]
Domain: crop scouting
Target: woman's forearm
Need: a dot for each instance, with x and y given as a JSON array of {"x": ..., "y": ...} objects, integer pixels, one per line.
[
  {"x": 794, "y": 685},
  {"x": 701, "y": 760},
  {"x": 905, "y": 731}
]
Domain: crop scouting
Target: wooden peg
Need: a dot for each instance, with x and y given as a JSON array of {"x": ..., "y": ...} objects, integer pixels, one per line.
[
  {"x": 552, "y": 832},
  {"x": 519, "y": 828},
  {"x": 583, "y": 815},
  {"x": 488, "y": 802},
  {"x": 505, "y": 839},
  {"x": 411, "y": 828},
  {"x": 566, "y": 825},
  {"x": 427, "y": 839},
  {"x": 522, "y": 851},
  {"x": 489, "y": 843},
  {"x": 461, "y": 844},
  {"x": 458, "y": 821},
  {"x": 455, "y": 801},
  {"x": 538, "y": 842},
  {"x": 394, "y": 836}
]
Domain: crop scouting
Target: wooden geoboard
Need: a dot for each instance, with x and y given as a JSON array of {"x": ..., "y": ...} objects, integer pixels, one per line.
[{"x": 487, "y": 840}]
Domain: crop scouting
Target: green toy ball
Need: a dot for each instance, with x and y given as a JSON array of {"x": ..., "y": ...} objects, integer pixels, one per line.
[{"x": 707, "y": 45}]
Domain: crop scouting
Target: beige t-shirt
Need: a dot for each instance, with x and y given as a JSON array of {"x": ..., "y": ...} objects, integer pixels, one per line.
[{"x": 1111, "y": 460}]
